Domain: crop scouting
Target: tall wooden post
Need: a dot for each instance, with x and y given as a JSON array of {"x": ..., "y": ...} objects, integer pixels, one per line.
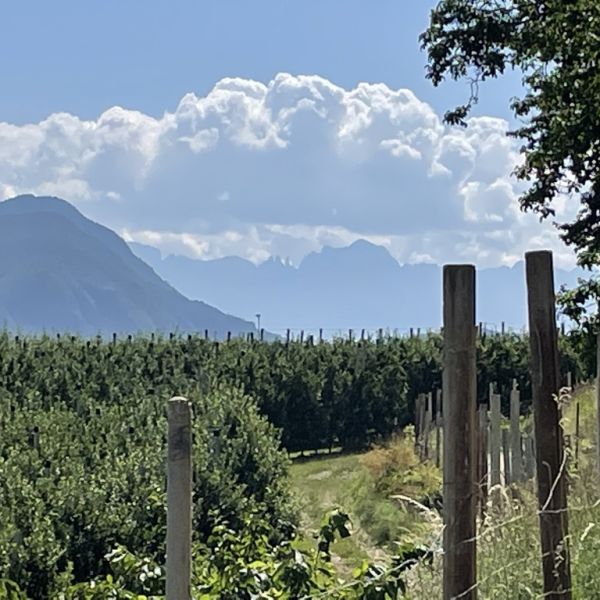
[
  {"x": 459, "y": 383},
  {"x": 515, "y": 435},
  {"x": 551, "y": 468},
  {"x": 179, "y": 500}
]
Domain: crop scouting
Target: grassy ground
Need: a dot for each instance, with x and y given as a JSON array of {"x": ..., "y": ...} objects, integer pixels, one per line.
[
  {"x": 362, "y": 486},
  {"x": 509, "y": 563},
  {"x": 323, "y": 484}
]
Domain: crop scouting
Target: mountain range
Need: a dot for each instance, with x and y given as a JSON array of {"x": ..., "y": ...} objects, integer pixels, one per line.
[
  {"x": 61, "y": 272},
  {"x": 353, "y": 287}
]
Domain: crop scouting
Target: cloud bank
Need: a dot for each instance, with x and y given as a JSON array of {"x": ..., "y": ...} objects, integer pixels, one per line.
[{"x": 284, "y": 168}]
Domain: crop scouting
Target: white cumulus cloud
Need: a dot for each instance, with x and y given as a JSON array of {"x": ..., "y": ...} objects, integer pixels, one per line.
[{"x": 282, "y": 168}]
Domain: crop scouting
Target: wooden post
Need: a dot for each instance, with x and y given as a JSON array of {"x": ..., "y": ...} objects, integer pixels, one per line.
[
  {"x": 482, "y": 474},
  {"x": 179, "y": 500},
  {"x": 551, "y": 468},
  {"x": 428, "y": 421},
  {"x": 529, "y": 453},
  {"x": 598, "y": 399},
  {"x": 459, "y": 390},
  {"x": 515, "y": 435},
  {"x": 495, "y": 439},
  {"x": 438, "y": 428},
  {"x": 577, "y": 420},
  {"x": 506, "y": 457}
]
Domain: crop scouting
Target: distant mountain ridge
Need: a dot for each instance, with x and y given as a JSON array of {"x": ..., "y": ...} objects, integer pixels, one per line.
[
  {"x": 59, "y": 271},
  {"x": 358, "y": 286}
]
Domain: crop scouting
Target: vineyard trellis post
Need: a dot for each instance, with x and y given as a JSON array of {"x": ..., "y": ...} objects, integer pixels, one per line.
[
  {"x": 506, "y": 457},
  {"x": 515, "y": 435},
  {"x": 179, "y": 499},
  {"x": 482, "y": 463},
  {"x": 549, "y": 450},
  {"x": 598, "y": 399},
  {"x": 495, "y": 439},
  {"x": 438, "y": 428},
  {"x": 459, "y": 392}
]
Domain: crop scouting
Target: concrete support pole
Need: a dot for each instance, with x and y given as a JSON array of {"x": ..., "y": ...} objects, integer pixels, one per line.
[
  {"x": 482, "y": 474},
  {"x": 506, "y": 457},
  {"x": 438, "y": 428},
  {"x": 459, "y": 390},
  {"x": 515, "y": 435},
  {"x": 549, "y": 447},
  {"x": 428, "y": 422},
  {"x": 495, "y": 439},
  {"x": 179, "y": 500}
]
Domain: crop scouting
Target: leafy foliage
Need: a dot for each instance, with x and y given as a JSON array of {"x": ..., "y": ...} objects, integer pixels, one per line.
[
  {"x": 555, "y": 44},
  {"x": 82, "y": 447}
]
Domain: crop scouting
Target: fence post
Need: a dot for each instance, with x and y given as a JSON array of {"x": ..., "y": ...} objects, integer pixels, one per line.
[
  {"x": 551, "y": 467},
  {"x": 598, "y": 399},
  {"x": 428, "y": 421},
  {"x": 459, "y": 391},
  {"x": 494, "y": 437},
  {"x": 482, "y": 462},
  {"x": 529, "y": 453},
  {"x": 506, "y": 457},
  {"x": 515, "y": 435},
  {"x": 577, "y": 420},
  {"x": 179, "y": 500},
  {"x": 438, "y": 428}
]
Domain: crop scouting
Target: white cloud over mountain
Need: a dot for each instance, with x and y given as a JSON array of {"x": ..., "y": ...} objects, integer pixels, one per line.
[{"x": 283, "y": 168}]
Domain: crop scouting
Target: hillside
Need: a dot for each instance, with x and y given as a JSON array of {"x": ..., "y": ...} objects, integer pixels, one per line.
[{"x": 62, "y": 272}]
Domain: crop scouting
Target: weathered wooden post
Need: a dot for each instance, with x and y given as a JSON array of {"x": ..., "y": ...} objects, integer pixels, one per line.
[
  {"x": 179, "y": 500},
  {"x": 459, "y": 390},
  {"x": 515, "y": 435},
  {"x": 550, "y": 463}
]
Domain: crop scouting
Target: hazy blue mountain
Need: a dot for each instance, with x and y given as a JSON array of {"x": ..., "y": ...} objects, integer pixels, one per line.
[
  {"x": 62, "y": 272},
  {"x": 359, "y": 286}
]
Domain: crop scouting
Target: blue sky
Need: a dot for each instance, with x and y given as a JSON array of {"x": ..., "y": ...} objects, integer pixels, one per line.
[
  {"x": 84, "y": 57},
  {"x": 257, "y": 128}
]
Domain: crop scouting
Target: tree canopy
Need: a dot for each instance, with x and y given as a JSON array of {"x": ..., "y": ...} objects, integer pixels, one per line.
[{"x": 555, "y": 44}]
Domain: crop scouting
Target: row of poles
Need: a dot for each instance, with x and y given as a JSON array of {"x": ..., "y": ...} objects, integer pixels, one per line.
[
  {"x": 506, "y": 455},
  {"x": 461, "y": 445},
  {"x": 460, "y": 464}
]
